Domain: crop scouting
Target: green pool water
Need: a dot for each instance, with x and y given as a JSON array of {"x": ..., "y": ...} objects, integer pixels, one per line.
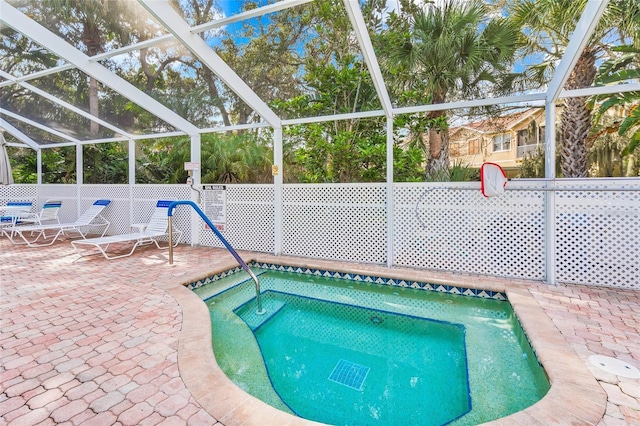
[{"x": 353, "y": 353}]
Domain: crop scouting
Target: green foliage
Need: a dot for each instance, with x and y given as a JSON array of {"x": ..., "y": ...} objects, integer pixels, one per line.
[
  {"x": 460, "y": 172},
  {"x": 105, "y": 163},
  {"x": 347, "y": 157},
  {"x": 614, "y": 71},
  {"x": 226, "y": 158},
  {"x": 237, "y": 158},
  {"x": 532, "y": 165},
  {"x": 59, "y": 165},
  {"x": 23, "y": 164},
  {"x": 338, "y": 82},
  {"x": 443, "y": 51}
]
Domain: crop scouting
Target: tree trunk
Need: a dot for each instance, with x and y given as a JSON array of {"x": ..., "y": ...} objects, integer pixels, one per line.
[
  {"x": 576, "y": 119},
  {"x": 438, "y": 161}
]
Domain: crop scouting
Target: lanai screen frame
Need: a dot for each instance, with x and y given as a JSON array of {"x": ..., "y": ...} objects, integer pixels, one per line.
[{"x": 187, "y": 35}]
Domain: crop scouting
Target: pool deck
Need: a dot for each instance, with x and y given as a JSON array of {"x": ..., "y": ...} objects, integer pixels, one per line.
[{"x": 87, "y": 341}]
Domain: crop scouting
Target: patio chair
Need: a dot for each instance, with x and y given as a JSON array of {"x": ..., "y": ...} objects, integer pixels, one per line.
[
  {"x": 91, "y": 219},
  {"x": 156, "y": 229},
  {"x": 48, "y": 214},
  {"x": 13, "y": 212}
]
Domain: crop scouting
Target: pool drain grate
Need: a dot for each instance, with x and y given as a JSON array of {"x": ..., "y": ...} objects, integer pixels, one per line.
[{"x": 349, "y": 374}]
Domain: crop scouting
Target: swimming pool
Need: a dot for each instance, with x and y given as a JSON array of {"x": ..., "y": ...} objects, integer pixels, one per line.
[{"x": 480, "y": 336}]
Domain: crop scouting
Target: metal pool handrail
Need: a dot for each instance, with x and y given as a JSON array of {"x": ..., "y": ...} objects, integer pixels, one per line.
[{"x": 235, "y": 254}]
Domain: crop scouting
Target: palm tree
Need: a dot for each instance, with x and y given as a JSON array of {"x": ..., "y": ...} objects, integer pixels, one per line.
[
  {"x": 450, "y": 49},
  {"x": 547, "y": 26}
]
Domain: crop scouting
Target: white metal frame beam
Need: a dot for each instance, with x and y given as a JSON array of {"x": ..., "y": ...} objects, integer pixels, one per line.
[
  {"x": 21, "y": 23},
  {"x": 17, "y": 133},
  {"x": 249, "y": 14},
  {"x": 39, "y": 126},
  {"x": 369, "y": 55},
  {"x": 38, "y": 74},
  {"x": 581, "y": 34},
  {"x": 168, "y": 37},
  {"x": 173, "y": 22},
  {"x": 67, "y": 105}
]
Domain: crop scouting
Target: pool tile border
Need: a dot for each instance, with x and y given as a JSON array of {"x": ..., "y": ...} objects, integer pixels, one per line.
[{"x": 373, "y": 279}]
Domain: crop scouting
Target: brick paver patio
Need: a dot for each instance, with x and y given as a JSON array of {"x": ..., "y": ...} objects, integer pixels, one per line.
[{"x": 86, "y": 341}]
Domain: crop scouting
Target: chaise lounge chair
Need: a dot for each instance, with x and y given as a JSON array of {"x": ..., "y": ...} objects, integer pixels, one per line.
[
  {"x": 89, "y": 220},
  {"x": 48, "y": 214},
  {"x": 14, "y": 211},
  {"x": 156, "y": 228}
]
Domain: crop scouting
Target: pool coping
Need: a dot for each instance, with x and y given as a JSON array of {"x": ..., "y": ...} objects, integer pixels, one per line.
[{"x": 575, "y": 396}]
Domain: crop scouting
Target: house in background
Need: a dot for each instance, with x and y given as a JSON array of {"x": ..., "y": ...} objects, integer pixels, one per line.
[{"x": 502, "y": 140}]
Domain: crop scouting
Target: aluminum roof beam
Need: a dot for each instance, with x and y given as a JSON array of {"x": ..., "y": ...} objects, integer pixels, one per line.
[
  {"x": 173, "y": 22},
  {"x": 362, "y": 34},
  {"x": 39, "y": 126},
  {"x": 168, "y": 37},
  {"x": 16, "y": 133},
  {"x": 67, "y": 105},
  {"x": 249, "y": 14},
  {"x": 21, "y": 23},
  {"x": 581, "y": 34}
]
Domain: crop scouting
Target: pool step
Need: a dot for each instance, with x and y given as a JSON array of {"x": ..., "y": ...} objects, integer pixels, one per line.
[{"x": 271, "y": 307}]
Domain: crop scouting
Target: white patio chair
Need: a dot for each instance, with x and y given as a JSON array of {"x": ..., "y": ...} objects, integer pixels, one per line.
[
  {"x": 91, "y": 219},
  {"x": 13, "y": 212},
  {"x": 48, "y": 214},
  {"x": 156, "y": 229}
]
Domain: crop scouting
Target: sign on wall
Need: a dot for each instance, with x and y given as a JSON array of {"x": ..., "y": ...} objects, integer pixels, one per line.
[{"x": 215, "y": 205}]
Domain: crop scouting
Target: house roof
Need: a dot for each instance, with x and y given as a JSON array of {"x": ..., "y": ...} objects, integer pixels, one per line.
[{"x": 497, "y": 124}]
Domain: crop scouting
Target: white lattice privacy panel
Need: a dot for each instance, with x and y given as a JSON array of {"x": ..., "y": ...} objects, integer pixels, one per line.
[
  {"x": 66, "y": 194},
  {"x": 117, "y": 212},
  {"x": 598, "y": 235},
  {"x": 249, "y": 219},
  {"x": 343, "y": 222},
  {"x": 9, "y": 193},
  {"x": 447, "y": 227},
  {"x": 145, "y": 198}
]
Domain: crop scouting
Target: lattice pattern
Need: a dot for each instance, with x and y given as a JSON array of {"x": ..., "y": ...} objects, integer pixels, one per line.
[
  {"x": 597, "y": 236},
  {"x": 19, "y": 193},
  {"x": 250, "y": 219},
  {"x": 441, "y": 227},
  {"x": 68, "y": 194},
  {"x": 596, "y": 232},
  {"x": 117, "y": 212},
  {"x": 343, "y": 222}
]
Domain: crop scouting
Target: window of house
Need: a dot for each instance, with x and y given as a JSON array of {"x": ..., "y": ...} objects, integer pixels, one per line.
[
  {"x": 502, "y": 142},
  {"x": 454, "y": 150},
  {"x": 474, "y": 146},
  {"x": 524, "y": 138}
]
